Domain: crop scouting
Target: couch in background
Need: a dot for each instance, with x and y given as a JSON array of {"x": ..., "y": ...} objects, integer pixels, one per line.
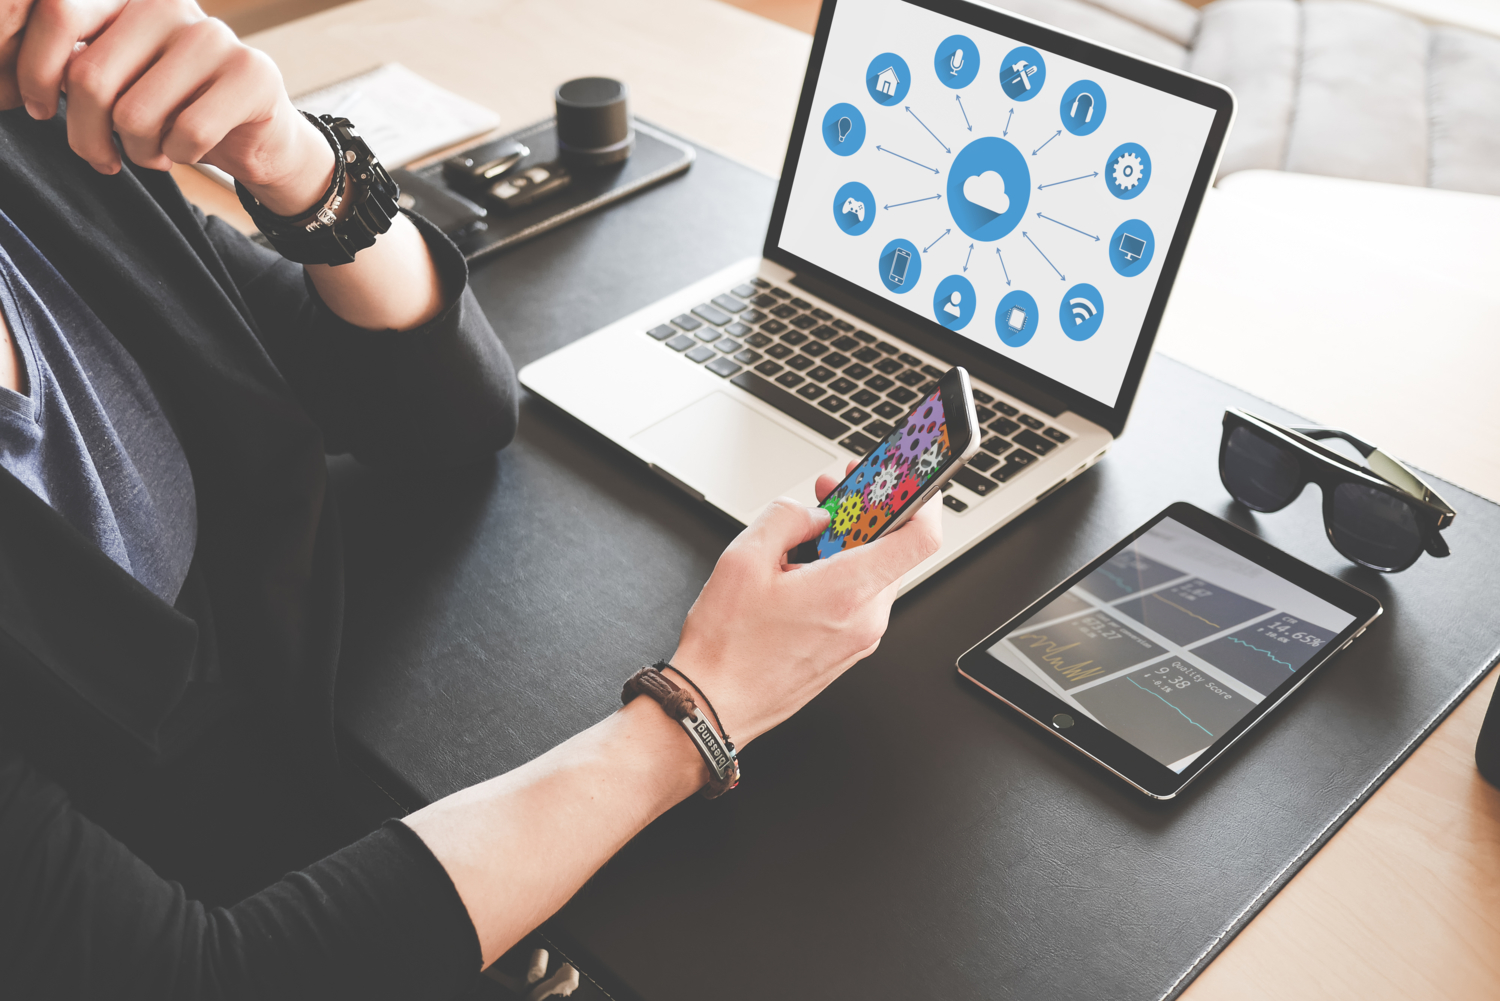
[{"x": 1335, "y": 87}]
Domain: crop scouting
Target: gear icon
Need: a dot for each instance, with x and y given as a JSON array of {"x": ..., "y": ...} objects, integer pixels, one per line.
[
  {"x": 929, "y": 460},
  {"x": 884, "y": 483},
  {"x": 1127, "y": 171},
  {"x": 850, "y": 508}
]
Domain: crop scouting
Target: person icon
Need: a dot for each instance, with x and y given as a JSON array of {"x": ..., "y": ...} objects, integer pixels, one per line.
[{"x": 953, "y": 302}]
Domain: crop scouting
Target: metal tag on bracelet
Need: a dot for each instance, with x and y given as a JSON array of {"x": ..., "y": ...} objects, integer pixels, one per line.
[{"x": 703, "y": 735}]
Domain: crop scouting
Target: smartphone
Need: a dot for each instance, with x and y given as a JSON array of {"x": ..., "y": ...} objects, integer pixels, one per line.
[
  {"x": 896, "y": 477},
  {"x": 447, "y": 210},
  {"x": 899, "y": 265}
]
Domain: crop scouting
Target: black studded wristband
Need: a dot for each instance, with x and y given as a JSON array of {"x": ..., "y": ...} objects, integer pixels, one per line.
[{"x": 359, "y": 205}]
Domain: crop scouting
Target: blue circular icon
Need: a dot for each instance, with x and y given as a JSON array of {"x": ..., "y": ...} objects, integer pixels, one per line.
[
  {"x": 1081, "y": 311},
  {"x": 1131, "y": 247},
  {"x": 1128, "y": 170},
  {"x": 954, "y": 301},
  {"x": 1016, "y": 318},
  {"x": 900, "y": 266},
  {"x": 1022, "y": 73},
  {"x": 956, "y": 61},
  {"x": 854, "y": 208},
  {"x": 844, "y": 129},
  {"x": 989, "y": 186},
  {"x": 1082, "y": 107},
  {"x": 888, "y": 79}
]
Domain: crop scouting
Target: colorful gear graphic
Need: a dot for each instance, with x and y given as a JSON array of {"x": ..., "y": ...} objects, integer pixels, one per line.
[
  {"x": 884, "y": 482},
  {"x": 850, "y": 508},
  {"x": 1127, "y": 171},
  {"x": 929, "y": 460}
]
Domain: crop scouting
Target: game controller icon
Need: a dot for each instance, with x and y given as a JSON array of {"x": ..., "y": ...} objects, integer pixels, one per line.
[{"x": 856, "y": 206}]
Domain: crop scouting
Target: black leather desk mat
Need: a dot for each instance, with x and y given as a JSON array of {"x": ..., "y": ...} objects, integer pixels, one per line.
[{"x": 905, "y": 836}]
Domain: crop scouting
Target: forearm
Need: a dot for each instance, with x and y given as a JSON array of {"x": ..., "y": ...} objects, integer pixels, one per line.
[
  {"x": 518, "y": 846},
  {"x": 393, "y": 285}
]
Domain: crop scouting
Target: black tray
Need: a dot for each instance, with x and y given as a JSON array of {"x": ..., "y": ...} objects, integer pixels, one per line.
[{"x": 657, "y": 157}]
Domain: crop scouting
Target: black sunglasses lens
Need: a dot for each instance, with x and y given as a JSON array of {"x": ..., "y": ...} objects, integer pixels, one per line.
[
  {"x": 1373, "y": 527},
  {"x": 1259, "y": 472}
]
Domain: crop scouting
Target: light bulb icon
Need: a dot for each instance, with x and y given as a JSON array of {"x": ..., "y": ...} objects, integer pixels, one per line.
[{"x": 844, "y": 126}]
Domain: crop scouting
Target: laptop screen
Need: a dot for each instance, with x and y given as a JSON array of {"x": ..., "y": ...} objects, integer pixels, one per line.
[{"x": 1019, "y": 198}]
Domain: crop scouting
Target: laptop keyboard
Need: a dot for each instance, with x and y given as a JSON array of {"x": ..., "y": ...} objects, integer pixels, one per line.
[{"x": 843, "y": 382}]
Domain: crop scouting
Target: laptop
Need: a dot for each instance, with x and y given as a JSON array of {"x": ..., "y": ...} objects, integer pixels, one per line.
[{"x": 963, "y": 186}]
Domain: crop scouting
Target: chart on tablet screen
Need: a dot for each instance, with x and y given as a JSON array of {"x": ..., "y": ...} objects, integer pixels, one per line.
[{"x": 1172, "y": 641}]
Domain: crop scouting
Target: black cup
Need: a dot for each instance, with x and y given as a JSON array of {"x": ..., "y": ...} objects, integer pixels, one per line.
[{"x": 594, "y": 128}]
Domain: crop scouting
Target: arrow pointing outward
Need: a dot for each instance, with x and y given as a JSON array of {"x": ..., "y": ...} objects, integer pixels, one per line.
[
  {"x": 1066, "y": 226},
  {"x": 960, "y": 99},
  {"x": 906, "y": 158},
  {"x": 934, "y": 243},
  {"x": 914, "y": 201},
  {"x": 1006, "y": 131},
  {"x": 967, "y": 256},
  {"x": 929, "y": 131},
  {"x": 1044, "y": 256},
  {"x": 1002, "y": 265},
  {"x": 1080, "y": 177},
  {"x": 1044, "y": 145}
]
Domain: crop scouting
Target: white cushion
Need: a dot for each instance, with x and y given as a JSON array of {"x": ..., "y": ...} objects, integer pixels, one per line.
[
  {"x": 1337, "y": 87},
  {"x": 1362, "y": 94},
  {"x": 1464, "y": 98},
  {"x": 1169, "y": 18},
  {"x": 1252, "y": 47},
  {"x": 1094, "y": 22}
]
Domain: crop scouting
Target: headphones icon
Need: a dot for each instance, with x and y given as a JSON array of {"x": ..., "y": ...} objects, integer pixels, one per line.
[{"x": 1088, "y": 109}]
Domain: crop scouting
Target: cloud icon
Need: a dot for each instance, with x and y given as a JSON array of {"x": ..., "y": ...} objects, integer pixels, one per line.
[{"x": 987, "y": 190}]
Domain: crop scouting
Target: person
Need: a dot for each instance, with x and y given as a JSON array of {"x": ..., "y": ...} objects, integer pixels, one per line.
[{"x": 170, "y": 565}]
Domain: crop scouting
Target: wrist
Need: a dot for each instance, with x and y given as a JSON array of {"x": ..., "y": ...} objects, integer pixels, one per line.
[
  {"x": 658, "y": 743},
  {"x": 293, "y": 185}
]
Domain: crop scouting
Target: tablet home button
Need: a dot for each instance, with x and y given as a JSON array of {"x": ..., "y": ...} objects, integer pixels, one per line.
[{"x": 1062, "y": 721}]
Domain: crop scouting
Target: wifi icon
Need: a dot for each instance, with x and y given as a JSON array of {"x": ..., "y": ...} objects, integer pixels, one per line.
[{"x": 1081, "y": 312}]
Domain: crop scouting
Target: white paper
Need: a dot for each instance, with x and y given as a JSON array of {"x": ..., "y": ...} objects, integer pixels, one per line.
[{"x": 401, "y": 115}]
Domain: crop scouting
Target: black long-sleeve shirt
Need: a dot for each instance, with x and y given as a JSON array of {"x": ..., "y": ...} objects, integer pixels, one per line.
[{"x": 114, "y": 705}]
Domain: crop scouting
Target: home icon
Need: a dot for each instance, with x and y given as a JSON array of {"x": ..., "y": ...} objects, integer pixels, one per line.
[{"x": 887, "y": 81}]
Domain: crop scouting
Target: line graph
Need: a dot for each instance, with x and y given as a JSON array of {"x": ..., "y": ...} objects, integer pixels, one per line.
[
  {"x": 1179, "y": 711},
  {"x": 1184, "y": 610},
  {"x": 1284, "y": 663}
]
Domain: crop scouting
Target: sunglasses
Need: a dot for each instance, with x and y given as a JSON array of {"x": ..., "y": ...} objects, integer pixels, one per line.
[{"x": 1379, "y": 515}]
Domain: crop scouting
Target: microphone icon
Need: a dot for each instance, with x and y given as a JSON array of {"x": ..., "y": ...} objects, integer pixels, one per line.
[{"x": 956, "y": 61}]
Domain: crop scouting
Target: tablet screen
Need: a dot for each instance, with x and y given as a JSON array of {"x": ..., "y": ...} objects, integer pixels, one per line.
[{"x": 1172, "y": 641}]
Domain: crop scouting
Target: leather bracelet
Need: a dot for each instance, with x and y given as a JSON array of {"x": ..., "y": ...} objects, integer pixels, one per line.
[{"x": 717, "y": 752}]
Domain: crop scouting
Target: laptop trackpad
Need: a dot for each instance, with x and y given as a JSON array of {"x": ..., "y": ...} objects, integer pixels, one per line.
[{"x": 738, "y": 458}]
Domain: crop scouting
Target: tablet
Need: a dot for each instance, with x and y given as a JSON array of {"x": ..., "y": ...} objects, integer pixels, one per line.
[{"x": 1161, "y": 653}]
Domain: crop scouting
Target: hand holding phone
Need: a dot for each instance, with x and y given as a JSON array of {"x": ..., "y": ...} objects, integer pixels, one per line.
[{"x": 893, "y": 481}]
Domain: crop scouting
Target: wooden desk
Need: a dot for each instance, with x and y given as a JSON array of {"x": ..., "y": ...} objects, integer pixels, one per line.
[{"x": 1405, "y": 900}]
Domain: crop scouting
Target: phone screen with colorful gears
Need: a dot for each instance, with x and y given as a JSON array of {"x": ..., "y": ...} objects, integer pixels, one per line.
[{"x": 887, "y": 479}]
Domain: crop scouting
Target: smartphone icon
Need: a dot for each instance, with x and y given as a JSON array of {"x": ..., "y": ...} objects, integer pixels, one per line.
[{"x": 898, "y": 267}]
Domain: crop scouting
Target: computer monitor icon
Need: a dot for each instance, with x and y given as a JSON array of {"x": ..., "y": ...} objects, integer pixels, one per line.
[{"x": 1133, "y": 247}]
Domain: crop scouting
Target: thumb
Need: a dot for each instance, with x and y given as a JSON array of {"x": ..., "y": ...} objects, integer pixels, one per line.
[{"x": 782, "y": 526}]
